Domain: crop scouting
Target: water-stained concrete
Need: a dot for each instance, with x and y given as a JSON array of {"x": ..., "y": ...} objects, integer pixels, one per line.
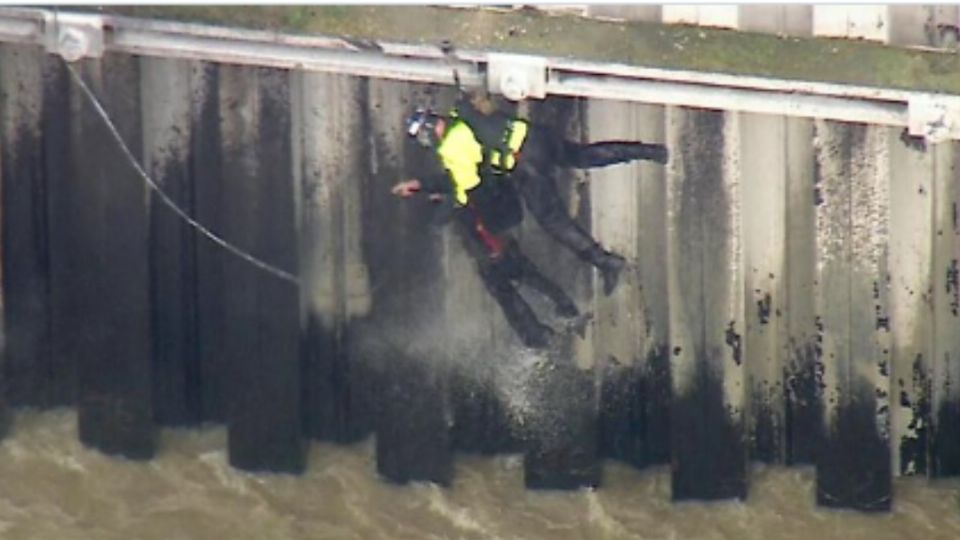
[
  {"x": 708, "y": 447},
  {"x": 785, "y": 300},
  {"x": 171, "y": 97},
  {"x": 26, "y": 262},
  {"x": 852, "y": 241},
  {"x": 631, "y": 327},
  {"x": 945, "y": 358},
  {"x": 104, "y": 285}
]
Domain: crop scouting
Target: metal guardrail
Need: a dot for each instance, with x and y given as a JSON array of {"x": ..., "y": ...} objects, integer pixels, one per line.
[{"x": 77, "y": 35}]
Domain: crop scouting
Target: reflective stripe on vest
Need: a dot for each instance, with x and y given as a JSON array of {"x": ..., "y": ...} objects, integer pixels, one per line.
[
  {"x": 461, "y": 155},
  {"x": 514, "y": 137}
]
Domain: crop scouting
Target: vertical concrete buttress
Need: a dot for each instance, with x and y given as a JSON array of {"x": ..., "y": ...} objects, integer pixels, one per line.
[
  {"x": 330, "y": 130},
  {"x": 705, "y": 268},
  {"x": 562, "y": 451},
  {"x": 654, "y": 298},
  {"x": 106, "y": 301},
  {"x": 802, "y": 365},
  {"x": 619, "y": 319},
  {"x": 945, "y": 359},
  {"x": 262, "y": 323},
  {"x": 239, "y": 118},
  {"x": 911, "y": 185},
  {"x": 206, "y": 168},
  {"x": 486, "y": 384},
  {"x": 25, "y": 368},
  {"x": 853, "y": 465},
  {"x": 167, "y": 91},
  {"x": 5, "y": 416},
  {"x": 630, "y": 341},
  {"x": 406, "y": 335},
  {"x": 59, "y": 119},
  {"x": 35, "y": 162},
  {"x": 778, "y": 284},
  {"x": 764, "y": 174}
]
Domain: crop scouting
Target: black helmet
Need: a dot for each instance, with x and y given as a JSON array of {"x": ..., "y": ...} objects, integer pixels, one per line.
[{"x": 421, "y": 125}]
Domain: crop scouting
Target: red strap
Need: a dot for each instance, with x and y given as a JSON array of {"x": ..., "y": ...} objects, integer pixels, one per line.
[{"x": 493, "y": 244}]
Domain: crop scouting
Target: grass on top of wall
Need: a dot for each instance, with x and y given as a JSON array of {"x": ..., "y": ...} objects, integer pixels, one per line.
[{"x": 570, "y": 36}]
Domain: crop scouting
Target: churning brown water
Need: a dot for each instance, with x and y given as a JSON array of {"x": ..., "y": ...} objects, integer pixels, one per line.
[{"x": 54, "y": 488}]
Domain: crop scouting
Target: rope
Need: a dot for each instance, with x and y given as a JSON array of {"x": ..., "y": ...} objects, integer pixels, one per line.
[{"x": 246, "y": 256}]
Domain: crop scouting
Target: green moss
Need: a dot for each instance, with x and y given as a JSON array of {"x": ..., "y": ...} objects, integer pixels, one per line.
[{"x": 645, "y": 44}]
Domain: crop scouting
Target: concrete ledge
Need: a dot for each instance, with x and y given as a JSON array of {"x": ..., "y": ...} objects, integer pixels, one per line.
[{"x": 571, "y": 36}]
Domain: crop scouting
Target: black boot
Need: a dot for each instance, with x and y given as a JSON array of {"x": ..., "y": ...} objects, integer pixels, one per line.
[
  {"x": 538, "y": 337},
  {"x": 609, "y": 264},
  {"x": 567, "y": 309},
  {"x": 610, "y": 271}
]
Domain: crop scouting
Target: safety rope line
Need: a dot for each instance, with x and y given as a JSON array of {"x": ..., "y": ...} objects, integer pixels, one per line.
[{"x": 266, "y": 267}]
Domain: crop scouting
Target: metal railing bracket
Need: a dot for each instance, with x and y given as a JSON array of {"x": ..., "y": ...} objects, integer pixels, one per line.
[
  {"x": 74, "y": 35},
  {"x": 517, "y": 76},
  {"x": 933, "y": 117}
]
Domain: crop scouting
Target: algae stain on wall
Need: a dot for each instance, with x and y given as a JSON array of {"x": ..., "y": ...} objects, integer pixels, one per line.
[{"x": 570, "y": 36}]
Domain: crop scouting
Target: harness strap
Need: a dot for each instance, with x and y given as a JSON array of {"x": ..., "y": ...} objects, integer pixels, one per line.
[
  {"x": 508, "y": 151},
  {"x": 493, "y": 244},
  {"x": 505, "y": 149}
]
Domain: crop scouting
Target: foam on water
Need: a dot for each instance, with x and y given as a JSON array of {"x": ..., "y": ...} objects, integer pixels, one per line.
[
  {"x": 608, "y": 524},
  {"x": 53, "y": 487},
  {"x": 462, "y": 518}
]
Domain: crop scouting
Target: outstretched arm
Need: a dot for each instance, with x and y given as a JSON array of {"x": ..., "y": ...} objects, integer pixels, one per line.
[
  {"x": 436, "y": 184},
  {"x": 406, "y": 188},
  {"x": 436, "y": 187}
]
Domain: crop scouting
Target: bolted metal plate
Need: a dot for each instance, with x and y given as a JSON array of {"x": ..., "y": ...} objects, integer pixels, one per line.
[
  {"x": 75, "y": 35},
  {"x": 934, "y": 117},
  {"x": 517, "y": 76}
]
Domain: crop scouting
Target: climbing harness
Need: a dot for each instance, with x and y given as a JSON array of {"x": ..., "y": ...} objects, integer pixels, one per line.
[{"x": 504, "y": 158}]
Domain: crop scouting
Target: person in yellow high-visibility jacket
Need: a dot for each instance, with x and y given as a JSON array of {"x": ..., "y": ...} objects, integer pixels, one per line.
[{"x": 487, "y": 159}]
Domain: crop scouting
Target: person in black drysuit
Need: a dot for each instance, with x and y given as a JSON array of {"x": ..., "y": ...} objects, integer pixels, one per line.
[{"x": 487, "y": 160}]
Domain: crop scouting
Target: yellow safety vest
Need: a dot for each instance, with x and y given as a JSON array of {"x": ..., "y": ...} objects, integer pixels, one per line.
[
  {"x": 514, "y": 137},
  {"x": 462, "y": 155}
]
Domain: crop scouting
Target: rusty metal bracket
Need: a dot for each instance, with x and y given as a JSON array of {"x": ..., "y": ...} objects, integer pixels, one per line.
[
  {"x": 74, "y": 35},
  {"x": 517, "y": 76}
]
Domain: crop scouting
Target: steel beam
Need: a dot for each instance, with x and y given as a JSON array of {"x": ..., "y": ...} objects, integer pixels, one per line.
[{"x": 934, "y": 116}]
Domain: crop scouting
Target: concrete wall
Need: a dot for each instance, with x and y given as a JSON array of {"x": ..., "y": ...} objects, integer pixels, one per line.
[
  {"x": 908, "y": 25},
  {"x": 792, "y": 285}
]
